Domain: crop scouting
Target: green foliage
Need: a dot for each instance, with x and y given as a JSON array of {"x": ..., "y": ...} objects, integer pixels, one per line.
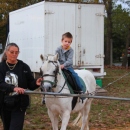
[
  {"x": 120, "y": 29},
  {"x": 121, "y": 21},
  {"x": 7, "y": 6}
]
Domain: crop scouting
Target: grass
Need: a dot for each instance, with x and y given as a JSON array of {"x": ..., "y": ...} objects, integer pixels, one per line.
[
  {"x": 104, "y": 114},
  {"x": 112, "y": 113}
]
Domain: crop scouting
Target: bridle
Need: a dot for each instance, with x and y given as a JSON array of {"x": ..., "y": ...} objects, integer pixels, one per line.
[{"x": 56, "y": 71}]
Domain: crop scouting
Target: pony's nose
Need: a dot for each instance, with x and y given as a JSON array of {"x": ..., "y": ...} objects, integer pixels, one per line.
[{"x": 46, "y": 89}]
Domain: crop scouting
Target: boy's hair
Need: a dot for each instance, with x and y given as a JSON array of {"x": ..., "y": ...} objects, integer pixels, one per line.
[{"x": 67, "y": 34}]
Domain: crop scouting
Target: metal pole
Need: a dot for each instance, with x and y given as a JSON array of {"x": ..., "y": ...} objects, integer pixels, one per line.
[{"x": 76, "y": 95}]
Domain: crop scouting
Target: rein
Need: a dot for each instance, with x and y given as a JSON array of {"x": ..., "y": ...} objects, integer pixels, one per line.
[{"x": 64, "y": 84}]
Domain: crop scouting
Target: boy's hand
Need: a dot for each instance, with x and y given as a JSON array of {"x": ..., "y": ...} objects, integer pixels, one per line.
[{"x": 62, "y": 66}]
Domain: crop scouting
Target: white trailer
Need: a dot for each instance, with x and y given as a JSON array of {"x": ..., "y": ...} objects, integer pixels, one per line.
[{"x": 38, "y": 28}]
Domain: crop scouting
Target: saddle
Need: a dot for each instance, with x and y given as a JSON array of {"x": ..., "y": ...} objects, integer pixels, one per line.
[{"x": 70, "y": 81}]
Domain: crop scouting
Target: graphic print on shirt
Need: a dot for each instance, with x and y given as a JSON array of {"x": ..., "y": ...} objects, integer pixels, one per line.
[{"x": 11, "y": 78}]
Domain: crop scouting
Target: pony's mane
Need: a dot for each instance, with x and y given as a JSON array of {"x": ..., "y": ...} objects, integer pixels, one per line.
[
  {"x": 46, "y": 65},
  {"x": 51, "y": 57}
]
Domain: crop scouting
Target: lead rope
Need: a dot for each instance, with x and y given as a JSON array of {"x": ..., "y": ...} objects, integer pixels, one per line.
[
  {"x": 116, "y": 80},
  {"x": 94, "y": 92}
]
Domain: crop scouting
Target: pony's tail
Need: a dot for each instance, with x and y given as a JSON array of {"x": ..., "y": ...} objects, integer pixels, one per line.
[{"x": 78, "y": 120}]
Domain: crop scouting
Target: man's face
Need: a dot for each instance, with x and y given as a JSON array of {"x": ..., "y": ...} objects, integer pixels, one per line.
[
  {"x": 12, "y": 53},
  {"x": 66, "y": 42}
]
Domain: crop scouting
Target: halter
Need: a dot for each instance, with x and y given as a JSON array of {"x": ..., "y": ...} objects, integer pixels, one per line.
[{"x": 54, "y": 84}]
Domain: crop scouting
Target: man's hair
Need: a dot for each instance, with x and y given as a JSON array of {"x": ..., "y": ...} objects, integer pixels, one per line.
[
  {"x": 67, "y": 34},
  {"x": 6, "y": 49},
  {"x": 11, "y": 44}
]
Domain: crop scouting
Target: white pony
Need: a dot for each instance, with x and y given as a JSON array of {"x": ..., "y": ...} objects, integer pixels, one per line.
[{"x": 55, "y": 81}]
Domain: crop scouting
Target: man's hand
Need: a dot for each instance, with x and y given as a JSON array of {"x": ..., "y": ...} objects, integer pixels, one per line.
[
  {"x": 38, "y": 81},
  {"x": 19, "y": 90}
]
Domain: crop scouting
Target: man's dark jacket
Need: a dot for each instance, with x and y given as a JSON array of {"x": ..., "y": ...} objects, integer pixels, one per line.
[{"x": 25, "y": 80}]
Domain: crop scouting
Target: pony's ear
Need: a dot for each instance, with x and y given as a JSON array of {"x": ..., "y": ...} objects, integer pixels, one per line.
[
  {"x": 42, "y": 57},
  {"x": 56, "y": 57}
]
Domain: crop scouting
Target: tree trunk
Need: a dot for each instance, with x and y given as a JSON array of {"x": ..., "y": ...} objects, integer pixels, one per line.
[
  {"x": 108, "y": 4},
  {"x": 125, "y": 58}
]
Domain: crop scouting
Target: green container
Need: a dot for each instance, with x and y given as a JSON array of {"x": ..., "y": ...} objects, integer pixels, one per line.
[{"x": 99, "y": 82}]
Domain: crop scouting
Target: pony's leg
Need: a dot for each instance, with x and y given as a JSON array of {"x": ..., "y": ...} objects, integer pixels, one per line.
[
  {"x": 85, "y": 115},
  {"x": 65, "y": 120},
  {"x": 54, "y": 119}
]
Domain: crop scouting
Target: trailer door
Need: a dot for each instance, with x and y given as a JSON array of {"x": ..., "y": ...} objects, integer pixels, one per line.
[
  {"x": 90, "y": 32},
  {"x": 59, "y": 18}
]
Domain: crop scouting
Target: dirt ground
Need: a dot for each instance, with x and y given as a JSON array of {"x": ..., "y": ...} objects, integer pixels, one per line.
[
  {"x": 119, "y": 128},
  {"x": 127, "y": 127}
]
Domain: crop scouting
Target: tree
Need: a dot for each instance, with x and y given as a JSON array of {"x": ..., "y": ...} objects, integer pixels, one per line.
[
  {"x": 121, "y": 30},
  {"x": 108, "y": 34}
]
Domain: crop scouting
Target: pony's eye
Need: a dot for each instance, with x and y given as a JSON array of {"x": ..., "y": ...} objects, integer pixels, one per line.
[{"x": 54, "y": 72}]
